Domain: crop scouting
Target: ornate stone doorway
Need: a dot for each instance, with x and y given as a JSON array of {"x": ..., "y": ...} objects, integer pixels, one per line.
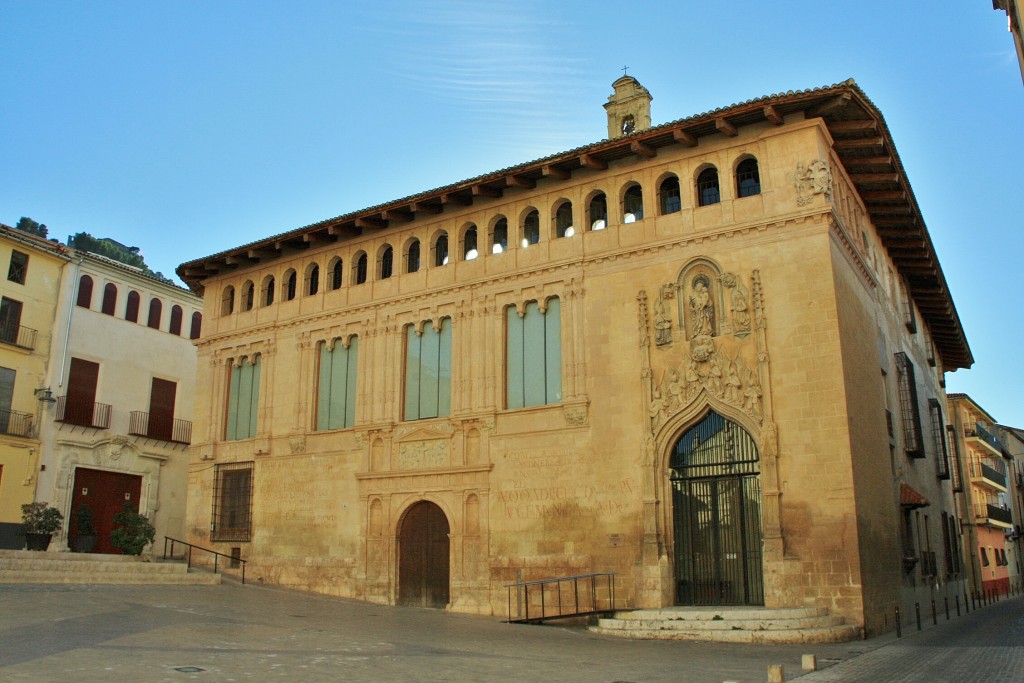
[
  {"x": 716, "y": 505},
  {"x": 105, "y": 493},
  {"x": 423, "y": 557}
]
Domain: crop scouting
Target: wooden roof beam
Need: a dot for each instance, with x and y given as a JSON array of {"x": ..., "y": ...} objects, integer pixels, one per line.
[
  {"x": 860, "y": 126},
  {"x": 403, "y": 214},
  {"x": 520, "y": 181},
  {"x": 883, "y": 196},
  {"x": 725, "y": 128},
  {"x": 319, "y": 236},
  {"x": 858, "y": 143},
  {"x": 829, "y": 106},
  {"x": 875, "y": 177},
  {"x": 369, "y": 222},
  {"x": 485, "y": 191},
  {"x": 344, "y": 230},
  {"x": 424, "y": 207},
  {"x": 684, "y": 138},
  {"x": 772, "y": 115},
  {"x": 549, "y": 171},
  {"x": 882, "y": 160},
  {"x": 641, "y": 150},
  {"x": 588, "y": 161},
  {"x": 456, "y": 198}
]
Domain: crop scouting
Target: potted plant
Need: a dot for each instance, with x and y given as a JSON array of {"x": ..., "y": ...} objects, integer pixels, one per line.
[
  {"x": 40, "y": 522},
  {"x": 85, "y": 533},
  {"x": 134, "y": 532}
]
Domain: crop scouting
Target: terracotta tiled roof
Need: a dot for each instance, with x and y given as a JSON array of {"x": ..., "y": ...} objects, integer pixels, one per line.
[{"x": 909, "y": 498}]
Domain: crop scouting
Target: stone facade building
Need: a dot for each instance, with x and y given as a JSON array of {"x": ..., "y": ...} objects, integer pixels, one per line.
[{"x": 696, "y": 354}]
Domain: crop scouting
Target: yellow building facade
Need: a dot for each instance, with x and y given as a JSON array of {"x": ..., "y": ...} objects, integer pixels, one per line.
[
  {"x": 681, "y": 354},
  {"x": 33, "y": 268}
]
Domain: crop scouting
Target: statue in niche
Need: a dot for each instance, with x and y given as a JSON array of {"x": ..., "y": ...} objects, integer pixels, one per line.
[
  {"x": 733, "y": 385},
  {"x": 703, "y": 308},
  {"x": 662, "y": 322},
  {"x": 752, "y": 395},
  {"x": 675, "y": 389},
  {"x": 658, "y": 407},
  {"x": 740, "y": 303}
]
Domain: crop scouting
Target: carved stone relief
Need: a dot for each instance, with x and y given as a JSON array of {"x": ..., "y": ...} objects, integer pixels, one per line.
[
  {"x": 739, "y": 302},
  {"x": 662, "y": 319},
  {"x": 810, "y": 180},
  {"x": 575, "y": 416},
  {"x": 418, "y": 455}
]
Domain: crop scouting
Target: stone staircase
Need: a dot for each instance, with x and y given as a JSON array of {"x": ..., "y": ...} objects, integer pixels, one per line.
[
  {"x": 731, "y": 625},
  {"x": 24, "y": 566}
]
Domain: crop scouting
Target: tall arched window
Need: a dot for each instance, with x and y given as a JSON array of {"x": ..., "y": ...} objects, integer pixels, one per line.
[
  {"x": 175, "y": 326},
  {"x": 85, "y": 292},
  {"x": 291, "y": 281},
  {"x": 469, "y": 250},
  {"x": 268, "y": 290},
  {"x": 109, "y": 298},
  {"x": 668, "y": 195},
  {"x": 412, "y": 257},
  {"x": 707, "y": 187},
  {"x": 563, "y": 220},
  {"x": 227, "y": 302},
  {"x": 531, "y": 228},
  {"x": 197, "y": 325},
  {"x": 598, "y": 211},
  {"x": 155, "y": 311},
  {"x": 633, "y": 204},
  {"x": 441, "y": 250},
  {"x": 312, "y": 279},
  {"x": 748, "y": 180},
  {"x": 361, "y": 267},
  {"x": 248, "y": 295},
  {"x": 336, "y": 272},
  {"x": 499, "y": 236},
  {"x": 131, "y": 309},
  {"x": 387, "y": 262}
]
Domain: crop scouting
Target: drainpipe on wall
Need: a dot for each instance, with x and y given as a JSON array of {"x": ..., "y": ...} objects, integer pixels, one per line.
[{"x": 71, "y": 314}]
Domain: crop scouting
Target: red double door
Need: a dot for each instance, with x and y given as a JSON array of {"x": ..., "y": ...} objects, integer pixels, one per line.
[{"x": 105, "y": 493}]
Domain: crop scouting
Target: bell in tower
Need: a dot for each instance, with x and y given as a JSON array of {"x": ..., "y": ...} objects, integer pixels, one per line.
[{"x": 629, "y": 108}]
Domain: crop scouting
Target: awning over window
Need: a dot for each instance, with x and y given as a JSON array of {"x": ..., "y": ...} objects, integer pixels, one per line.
[{"x": 909, "y": 498}]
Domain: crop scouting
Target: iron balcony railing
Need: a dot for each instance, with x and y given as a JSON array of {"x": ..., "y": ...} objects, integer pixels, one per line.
[
  {"x": 18, "y": 335},
  {"x": 176, "y": 431},
  {"x": 995, "y": 513},
  {"x": 987, "y": 473},
  {"x": 83, "y": 413},
  {"x": 14, "y": 423},
  {"x": 979, "y": 432}
]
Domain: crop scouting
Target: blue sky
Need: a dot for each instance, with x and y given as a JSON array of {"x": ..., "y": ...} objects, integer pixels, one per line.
[{"x": 187, "y": 128}]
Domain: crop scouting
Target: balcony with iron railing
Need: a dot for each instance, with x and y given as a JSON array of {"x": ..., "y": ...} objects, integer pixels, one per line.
[
  {"x": 987, "y": 513},
  {"x": 82, "y": 413},
  {"x": 18, "y": 335},
  {"x": 987, "y": 475},
  {"x": 160, "y": 428},
  {"x": 13, "y": 423},
  {"x": 977, "y": 433}
]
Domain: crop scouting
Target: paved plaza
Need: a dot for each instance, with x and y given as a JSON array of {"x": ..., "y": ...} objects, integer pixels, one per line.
[{"x": 253, "y": 633}]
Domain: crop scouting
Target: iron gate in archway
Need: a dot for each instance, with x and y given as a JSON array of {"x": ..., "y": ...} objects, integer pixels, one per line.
[{"x": 716, "y": 507}]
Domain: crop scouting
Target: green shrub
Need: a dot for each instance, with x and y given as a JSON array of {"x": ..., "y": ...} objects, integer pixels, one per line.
[{"x": 134, "y": 531}]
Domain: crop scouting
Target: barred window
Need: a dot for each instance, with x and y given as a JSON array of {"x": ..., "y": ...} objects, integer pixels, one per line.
[
  {"x": 907, "y": 306},
  {"x": 913, "y": 443},
  {"x": 957, "y": 482},
  {"x": 939, "y": 439},
  {"x": 232, "y": 502},
  {"x": 18, "y": 267}
]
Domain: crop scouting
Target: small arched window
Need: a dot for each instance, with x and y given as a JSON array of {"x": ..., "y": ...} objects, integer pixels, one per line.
[
  {"x": 598, "y": 211},
  {"x": 441, "y": 250},
  {"x": 268, "y": 290},
  {"x": 531, "y": 228},
  {"x": 175, "y": 327},
  {"x": 85, "y": 292},
  {"x": 155, "y": 312},
  {"x": 361, "y": 266},
  {"x": 336, "y": 273},
  {"x": 313, "y": 279},
  {"x": 469, "y": 250},
  {"x": 131, "y": 309},
  {"x": 707, "y": 187},
  {"x": 227, "y": 302},
  {"x": 748, "y": 180},
  {"x": 387, "y": 262},
  {"x": 668, "y": 195},
  {"x": 633, "y": 204},
  {"x": 291, "y": 284},
  {"x": 412, "y": 257},
  {"x": 109, "y": 298},
  {"x": 248, "y": 295},
  {"x": 563, "y": 220},
  {"x": 197, "y": 325},
  {"x": 499, "y": 236}
]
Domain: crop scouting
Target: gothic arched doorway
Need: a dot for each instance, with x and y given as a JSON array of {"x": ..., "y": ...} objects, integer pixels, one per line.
[
  {"x": 423, "y": 559},
  {"x": 716, "y": 504}
]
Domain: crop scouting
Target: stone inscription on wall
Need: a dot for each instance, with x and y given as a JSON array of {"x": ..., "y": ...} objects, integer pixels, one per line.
[
  {"x": 307, "y": 501},
  {"x": 546, "y": 485}
]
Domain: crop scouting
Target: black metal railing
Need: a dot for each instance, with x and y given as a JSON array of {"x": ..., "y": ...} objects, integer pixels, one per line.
[
  {"x": 983, "y": 471},
  {"x": 14, "y": 423},
  {"x": 233, "y": 560},
  {"x": 83, "y": 413},
  {"x": 978, "y": 431},
  {"x": 561, "y": 598},
  {"x": 18, "y": 335},
  {"x": 999, "y": 514},
  {"x": 176, "y": 431}
]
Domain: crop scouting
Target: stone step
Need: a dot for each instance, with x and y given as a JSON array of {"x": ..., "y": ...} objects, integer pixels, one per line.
[
  {"x": 761, "y": 624},
  {"x": 122, "y": 577},
  {"x": 23, "y": 566},
  {"x": 68, "y": 557},
  {"x": 61, "y": 565},
  {"x": 722, "y": 613},
  {"x": 831, "y": 634}
]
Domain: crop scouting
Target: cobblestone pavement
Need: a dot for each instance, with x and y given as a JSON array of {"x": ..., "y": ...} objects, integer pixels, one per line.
[{"x": 249, "y": 633}]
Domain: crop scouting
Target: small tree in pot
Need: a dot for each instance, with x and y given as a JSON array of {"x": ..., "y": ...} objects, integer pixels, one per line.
[
  {"x": 40, "y": 522},
  {"x": 134, "y": 532},
  {"x": 85, "y": 533}
]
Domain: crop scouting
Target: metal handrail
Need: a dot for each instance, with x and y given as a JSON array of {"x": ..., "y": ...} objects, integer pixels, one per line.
[
  {"x": 216, "y": 555},
  {"x": 139, "y": 425},
  {"x": 523, "y": 598}
]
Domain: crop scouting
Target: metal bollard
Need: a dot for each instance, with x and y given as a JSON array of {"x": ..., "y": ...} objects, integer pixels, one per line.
[
  {"x": 917, "y": 610},
  {"x": 935, "y": 621},
  {"x": 946, "y": 600},
  {"x": 958, "y": 605},
  {"x": 899, "y": 627}
]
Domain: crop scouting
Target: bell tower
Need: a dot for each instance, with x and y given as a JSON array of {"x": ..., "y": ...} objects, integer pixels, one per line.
[{"x": 629, "y": 108}]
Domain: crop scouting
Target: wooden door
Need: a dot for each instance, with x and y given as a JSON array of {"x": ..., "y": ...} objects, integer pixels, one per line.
[
  {"x": 105, "y": 493},
  {"x": 161, "y": 409},
  {"x": 81, "y": 398},
  {"x": 423, "y": 554}
]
